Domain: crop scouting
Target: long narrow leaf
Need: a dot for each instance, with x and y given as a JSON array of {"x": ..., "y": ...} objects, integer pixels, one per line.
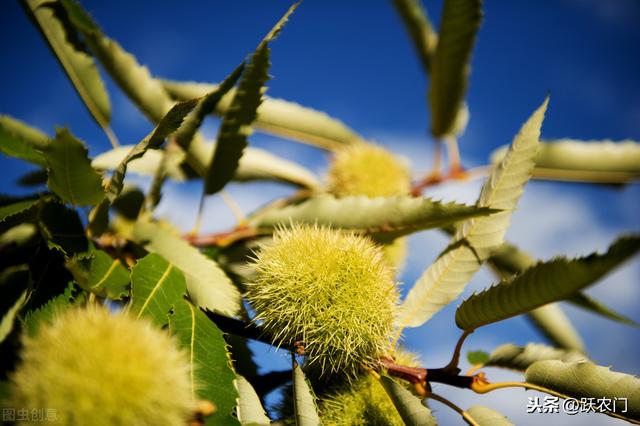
[
  {"x": 212, "y": 377},
  {"x": 235, "y": 126},
  {"x": 590, "y": 161},
  {"x": 249, "y": 409},
  {"x": 19, "y": 140},
  {"x": 474, "y": 240},
  {"x": 416, "y": 22},
  {"x": 52, "y": 20},
  {"x": 169, "y": 124},
  {"x": 384, "y": 218},
  {"x": 304, "y": 404},
  {"x": 587, "y": 302},
  {"x": 279, "y": 117},
  {"x": 410, "y": 408},
  {"x": 586, "y": 380},
  {"x": 485, "y": 416},
  {"x": 450, "y": 67},
  {"x": 543, "y": 283},
  {"x": 519, "y": 358},
  {"x": 507, "y": 261}
]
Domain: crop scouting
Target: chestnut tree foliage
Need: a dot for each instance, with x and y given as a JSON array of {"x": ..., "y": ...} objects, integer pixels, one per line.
[{"x": 290, "y": 273}]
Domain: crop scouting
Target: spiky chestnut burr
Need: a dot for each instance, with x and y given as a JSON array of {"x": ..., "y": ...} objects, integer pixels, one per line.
[
  {"x": 367, "y": 169},
  {"x": 329, "y": 290},
  {"x": 98, "y": 368}
]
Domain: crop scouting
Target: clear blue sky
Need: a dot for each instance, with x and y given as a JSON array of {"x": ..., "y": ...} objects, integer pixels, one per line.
[{"x": 353, "y": 60}]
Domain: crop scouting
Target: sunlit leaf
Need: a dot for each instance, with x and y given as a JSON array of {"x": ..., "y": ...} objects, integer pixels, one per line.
[
  {"x": 521, "y": 357},
  {"x": 485, "y": 416},
  {"x": 207, "y": 284},
  {"x": 543, "y": 283},
  {"x": 101, "y": 274},
  {"x": 384, "y": 218},
  {"x": 304, "y": 400},
  {"x": 13, "y": 284},
  {"x": 156, "y": 286},
  {"x": 236, "y": 122},
  {"x": 475, "y": 238},
  {"x": 52, "y": 20},
  {"x": 450, "y": 67},
  {"x": 212, "y": 378},
  {"x": 71, "y": 176},
  {"x": 249, "y": 410},
  {"x": 279, "y": 117},
  {"x": 588, "y": 161},
  {"x": 19, "y": 140},
  {"x": 586, "y": 380},
  {"x": 412, "y": 411}
]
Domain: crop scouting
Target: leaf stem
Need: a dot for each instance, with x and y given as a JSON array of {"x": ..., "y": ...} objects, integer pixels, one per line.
[{"x": 452, "y": 367}]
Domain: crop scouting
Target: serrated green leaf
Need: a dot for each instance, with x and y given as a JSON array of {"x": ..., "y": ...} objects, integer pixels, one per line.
[
  {"x": 205, "y": 107},
  {"x": 554, "y": 324},
  {"x": 508, "y": 260},
  {"x": 207, "y": 284},
  {"x": 586, "y": 380},
  {"x": 13, "y": 209},
  {"x": 416, "y": 22},
  {"x": 156, "y": 286},
  {"x": 249, "y": 409},
  {"x": 485, "y": 416},
  {"x": 587, "y": 302},
  {"x": 33, "y": 319},
  {"x": 14, "y": 282},
  {"x": 62, "y": 229},
  {"x": 101, "y": 274},
  {"x": 475, "y": 238},
  {"x": 167, "y": 125},
  {"x": 236, "y": 122},
  {"x": 279, "y": 117},
  {"x": 212, "y": 377},
  {"x": 71, "y": 176},
  {"x": 450, "y": 67},
  {"x": 304, "y": 400},
  {"x": 134, "y": 79},
  {"x": 410, "y": 408},
  {"x": 19, "y": 140},
  {"x": 52, "y": 20},
  {"x": 521, "y": 357},
  {"x": 255, "y": 164},
  {"x": 543, "y": 283},
  {"x": 384, "y": 218},
  {"x": 477, "y": 357},
  {"x": 590, "y": 161}
]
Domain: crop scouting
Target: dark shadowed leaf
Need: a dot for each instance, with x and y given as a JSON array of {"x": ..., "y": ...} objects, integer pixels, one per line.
[
  {"x": 211, "y": 375},
  {"x": 521, "y": 357},
  {"x": 587, "y": 302},
  {"x": 62, "y": 229},
  {"x": 422, "y": 34}
]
